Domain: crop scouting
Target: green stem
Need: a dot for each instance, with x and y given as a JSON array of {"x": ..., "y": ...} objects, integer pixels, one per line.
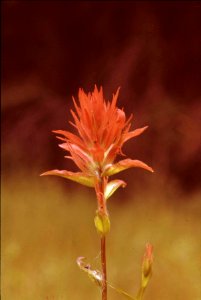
[{"x": 104, "y": 269}]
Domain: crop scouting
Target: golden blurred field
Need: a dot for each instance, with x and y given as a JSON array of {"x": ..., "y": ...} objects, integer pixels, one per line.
[{"x": 46, "y": 226}]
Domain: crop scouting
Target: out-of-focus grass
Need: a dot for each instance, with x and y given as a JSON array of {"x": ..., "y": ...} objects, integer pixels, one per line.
[{"x": 45, "y": 228}]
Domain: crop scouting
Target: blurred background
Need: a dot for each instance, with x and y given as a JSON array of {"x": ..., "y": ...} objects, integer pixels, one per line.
[{"x": 152, "y": 50}]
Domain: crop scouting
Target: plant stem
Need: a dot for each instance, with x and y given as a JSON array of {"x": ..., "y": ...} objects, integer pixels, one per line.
[
  {"x": 103, "y": 263},
  {"x": 140, "y": 293},
  {"x": 102, "y": 211}
]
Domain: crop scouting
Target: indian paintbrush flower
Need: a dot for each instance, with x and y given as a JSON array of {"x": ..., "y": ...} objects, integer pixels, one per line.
[{"x": 102, "y": 129}]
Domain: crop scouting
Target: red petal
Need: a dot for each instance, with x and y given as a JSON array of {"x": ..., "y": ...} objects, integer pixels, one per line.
[
  {"x": 75, "y": 176},
  {"x": 125, "y": 164},
  {"x": 114, "y": 99},
  {"x": 70, "y": 136},
  {"x": 79, "y": 156}
]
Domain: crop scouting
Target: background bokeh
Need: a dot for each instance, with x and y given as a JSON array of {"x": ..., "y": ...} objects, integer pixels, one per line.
[{"x": 152, "y": 50}]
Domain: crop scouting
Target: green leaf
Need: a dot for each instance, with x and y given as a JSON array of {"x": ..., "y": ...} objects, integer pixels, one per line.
[
  {"x": 125, "y": 164},
  {"x": 112, "y": 186},
  {"x": 79, "y": 177}
]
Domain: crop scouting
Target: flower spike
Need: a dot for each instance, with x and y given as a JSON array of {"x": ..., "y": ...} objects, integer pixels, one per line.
[{"x": 102, "y": 129}]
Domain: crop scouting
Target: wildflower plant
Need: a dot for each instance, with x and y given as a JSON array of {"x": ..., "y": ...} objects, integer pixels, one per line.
[{"x": 102, "y": 129}]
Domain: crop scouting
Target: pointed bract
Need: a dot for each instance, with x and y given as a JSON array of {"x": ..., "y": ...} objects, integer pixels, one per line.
[{"x": 134, "y": 133}]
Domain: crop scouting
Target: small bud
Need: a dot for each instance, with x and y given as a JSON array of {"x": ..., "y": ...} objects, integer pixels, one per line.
[
  {"x": 147, "y": 265},
  {"x": 102, "y": 223}
]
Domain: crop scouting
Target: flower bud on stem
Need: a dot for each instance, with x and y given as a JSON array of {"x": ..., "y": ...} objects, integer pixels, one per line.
[{"x": 146, "y": 270}]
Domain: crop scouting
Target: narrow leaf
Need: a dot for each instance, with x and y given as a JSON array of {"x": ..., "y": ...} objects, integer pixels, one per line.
[
  {"x": 120, "y": 291},
  {"x": 79, "y": 177},
  {"x": 112, "y": 186},
  {"x": 125, "y": 164}
]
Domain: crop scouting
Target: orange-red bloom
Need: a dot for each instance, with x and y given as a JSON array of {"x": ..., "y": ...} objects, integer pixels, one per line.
[
  {"x": 148, "y": 255},
  {"x": 102, "y": 129}
]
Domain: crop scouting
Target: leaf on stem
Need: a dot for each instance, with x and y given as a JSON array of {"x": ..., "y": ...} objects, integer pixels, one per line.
[
  {"x": 112, "y": 186},
  {"x": 79, "y": 177},
  {"x": 125, "y": 164}
]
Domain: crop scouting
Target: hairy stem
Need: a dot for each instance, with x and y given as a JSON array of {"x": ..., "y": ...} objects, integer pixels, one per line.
[{"x": 104, "y": 269}]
